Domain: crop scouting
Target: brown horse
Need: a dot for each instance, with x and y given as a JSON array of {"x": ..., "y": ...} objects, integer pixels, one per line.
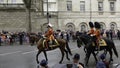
[
  {"x": 63, "y": 45},
  {"x": 33, "y": 38}
]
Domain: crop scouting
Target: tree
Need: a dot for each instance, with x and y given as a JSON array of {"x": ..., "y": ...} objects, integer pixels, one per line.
[{"x": 28, "y": 10}]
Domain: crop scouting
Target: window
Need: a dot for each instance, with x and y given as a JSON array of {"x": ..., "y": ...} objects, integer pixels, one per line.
[
  {"x": 113, "y": 25},
  {"x": 1, "y": 1},
  {"x": 82, "y": 6},
  {"x": 83, "y": 28},
  {"x": 13, "y": 1},
  {"x": 69, "y": 5},
  {"x": 100, "y": 6},
  {"x": 112, "y": 6}
]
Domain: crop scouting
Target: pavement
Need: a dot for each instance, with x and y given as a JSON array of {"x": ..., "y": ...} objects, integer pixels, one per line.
[{"x": 23, "y": 56}]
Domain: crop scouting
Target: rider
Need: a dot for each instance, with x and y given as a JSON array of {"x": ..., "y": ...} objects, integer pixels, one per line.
[
  {"x": 97, "y": 34},
  {"x": 91, "y": 31},
  {"x": 49, "y": 34}
]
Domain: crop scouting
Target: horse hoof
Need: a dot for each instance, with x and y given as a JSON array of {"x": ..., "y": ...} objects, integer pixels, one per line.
[
  {"x": 86, "y": 65},
  {"x": 37, "y": 62},
  {"x": 68, "y": 59},
  {"x": 60, "y": 62},
  {"x": 38, "y": 66},
  {"x": 71, "y": 54},
  {"x": 112, "y": 60}
]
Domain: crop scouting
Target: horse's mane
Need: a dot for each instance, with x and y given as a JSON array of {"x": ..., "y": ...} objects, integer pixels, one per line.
[{"x": 86, "y": 38}]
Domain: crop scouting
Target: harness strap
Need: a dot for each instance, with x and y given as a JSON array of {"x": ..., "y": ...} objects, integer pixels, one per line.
[
  {"x": 56, "y": 42},
  {"x": 43, "y": 43}
]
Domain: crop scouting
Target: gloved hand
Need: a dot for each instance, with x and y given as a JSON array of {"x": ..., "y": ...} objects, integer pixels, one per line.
[
  {"x": 43, "y": 36},
  {"x": 92, "y": 35}
]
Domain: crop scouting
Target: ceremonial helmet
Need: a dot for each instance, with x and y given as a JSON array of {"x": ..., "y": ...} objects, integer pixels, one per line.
[
  {"x": 91, "y": 25},
  {"x": 97, "y": 25},
  {"x": 50, "y": 25}
]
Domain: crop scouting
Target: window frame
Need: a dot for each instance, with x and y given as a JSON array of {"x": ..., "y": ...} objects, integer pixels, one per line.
[
  {"x": 69, "y": 5},
  {"x": 100, "y": 8},
  {"x": 112, "y": 9},
  {"x": 82, "y": 6}
]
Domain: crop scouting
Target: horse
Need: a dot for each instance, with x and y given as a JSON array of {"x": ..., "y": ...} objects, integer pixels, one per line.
[
  {"x": 90, "y": 48},
  {"x": 33, "y": 38},
  {"x": 63, "y": 45}
]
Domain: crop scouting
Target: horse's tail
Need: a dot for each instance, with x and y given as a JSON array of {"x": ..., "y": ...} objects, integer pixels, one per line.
[
  {"x": 68, "y": 48},
  {"x": 115, "y": 51}
]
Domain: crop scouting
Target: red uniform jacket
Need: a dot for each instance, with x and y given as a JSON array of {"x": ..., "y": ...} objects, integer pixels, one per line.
[
  {"x": 49, "y": 34},
  {"x": 97, "y": 34},
  {"x": 91, "y": 31}
]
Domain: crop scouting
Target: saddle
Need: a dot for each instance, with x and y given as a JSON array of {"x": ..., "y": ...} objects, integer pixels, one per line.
[
  {"x": 101, "y": 43},
  {"x": 50, "y": 44}
]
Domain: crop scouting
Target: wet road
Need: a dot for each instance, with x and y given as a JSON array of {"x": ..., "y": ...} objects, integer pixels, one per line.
[{"x": 23, "y": 56}]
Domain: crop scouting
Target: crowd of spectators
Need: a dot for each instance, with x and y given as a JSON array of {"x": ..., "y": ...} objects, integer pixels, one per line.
[{"x": 23, "y": 37}]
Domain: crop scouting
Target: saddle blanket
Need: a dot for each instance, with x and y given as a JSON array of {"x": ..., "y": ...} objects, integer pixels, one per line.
[
  {"x": 50, "y": 45},
  {"x": 101, "y": 43}
]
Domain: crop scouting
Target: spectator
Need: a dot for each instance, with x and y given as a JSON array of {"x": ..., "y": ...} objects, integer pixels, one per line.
[
  {"x": 67, "y": 37},
  {"x": 43, "y": 64},
  {"x": 102, "y": 57},
  {"x": 76, "y": 62},
  {"x": 111, "y": 34},
  {"x": 118, "y": 34},
  {"x": 107, "y": 34},
  {"x": 102, "y": 63},
  {"x": 20, "y": 38},
  {"x": 0, "y": 40}
]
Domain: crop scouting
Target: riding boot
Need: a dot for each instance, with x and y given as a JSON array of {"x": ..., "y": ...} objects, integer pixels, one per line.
[
  {"x": 53, "y": 42},
  {"x": 47, "y": 46},
  {"x": 98, "y": 48},
  {"x": 50, "y": 42}
]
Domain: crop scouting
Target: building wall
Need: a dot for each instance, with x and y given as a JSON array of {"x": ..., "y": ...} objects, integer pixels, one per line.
[
  {"x": 78, "y": 18},
  {"x": 15, "y": 20}
]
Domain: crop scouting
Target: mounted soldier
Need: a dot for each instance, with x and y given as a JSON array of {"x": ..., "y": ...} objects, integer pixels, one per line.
[
  {"x": 50, "y": 40},
  {"x": 97, "y": 34},
  {"x": 91, "y": 31}
]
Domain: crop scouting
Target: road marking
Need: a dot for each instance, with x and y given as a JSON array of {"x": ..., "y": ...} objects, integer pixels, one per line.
[
  {"x": 29, "y": 52},
  {"x": 48, "y": 52},
  {"x": 9, "y": 53},
  {"x": 74, "y": 49}
]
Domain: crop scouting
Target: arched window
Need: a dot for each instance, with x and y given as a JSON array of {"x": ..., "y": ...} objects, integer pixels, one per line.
[
  {"x": 113, "y": 26},
  {"x": 103, "y": 26},
  {"x": 83, "y": 27},
  {"x": 70, "y": 27}
]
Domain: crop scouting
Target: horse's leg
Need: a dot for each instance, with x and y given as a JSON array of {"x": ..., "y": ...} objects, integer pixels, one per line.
[
  {"x": 37, "y": 56},
  {"x": 85, "y": 49},
  {"x": 105, "y": 51},
  {"x": 110, "y": 52},
  {"x": 68, "y": 48},
  {"x": 45, "y": 55},
  {"x": 95, "y": 56},
  {"x": 62, "y": 51},
  {"x": 87, "y": 58},
  {"x": 67, "y": 54}
]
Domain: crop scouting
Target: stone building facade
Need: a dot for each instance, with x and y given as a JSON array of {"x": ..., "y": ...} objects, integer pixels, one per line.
[
  {"x": 77, "y": 14},
  {"x": 63, "y": 14}
]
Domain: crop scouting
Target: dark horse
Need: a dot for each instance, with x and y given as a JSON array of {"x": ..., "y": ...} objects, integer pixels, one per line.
[
  {"x": 63, "y": 45},
  {"x": 87, "y": 40}
]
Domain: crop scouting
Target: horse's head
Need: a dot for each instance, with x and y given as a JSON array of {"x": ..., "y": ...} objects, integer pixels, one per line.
[
  {"x": 79, "y": 42},
  {"x": 83, "y": 38}
]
